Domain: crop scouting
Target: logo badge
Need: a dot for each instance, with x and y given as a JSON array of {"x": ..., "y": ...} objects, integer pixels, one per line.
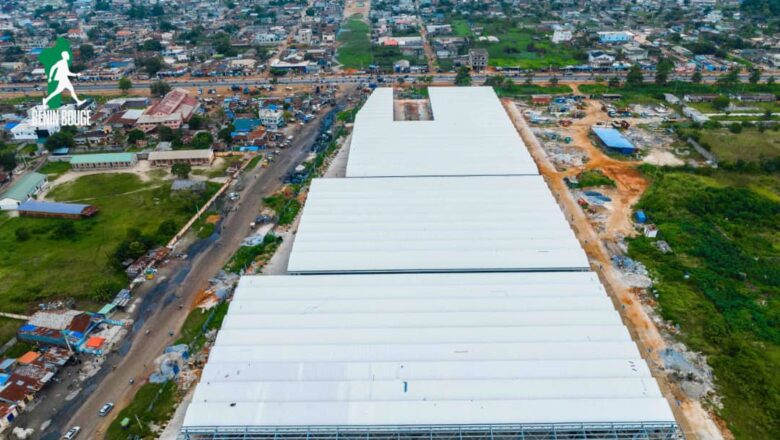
[{"x": 56, "y": 62}]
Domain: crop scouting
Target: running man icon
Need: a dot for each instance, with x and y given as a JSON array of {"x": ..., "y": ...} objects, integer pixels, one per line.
[{"x": 56, "y": 62}]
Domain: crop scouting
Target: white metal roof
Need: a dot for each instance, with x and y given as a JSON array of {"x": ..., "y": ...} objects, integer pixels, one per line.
[
  {"x": 422, "y": 349},
  {"x": 470, "y": 134},
  {"x": 478, "y": 223}
]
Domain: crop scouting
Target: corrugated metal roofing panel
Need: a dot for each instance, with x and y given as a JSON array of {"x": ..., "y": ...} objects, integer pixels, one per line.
[
  {"x": 508, "y": 348},
  {"x": 486, "y": 223},
  {"x": 52, "y": 207},
  {"x": 470, "y": 134}
]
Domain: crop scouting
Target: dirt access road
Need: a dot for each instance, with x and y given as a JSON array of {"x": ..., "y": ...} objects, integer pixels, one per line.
[
  {"x": 186, "y": 278},
  {"x": 693, "y": 419}
]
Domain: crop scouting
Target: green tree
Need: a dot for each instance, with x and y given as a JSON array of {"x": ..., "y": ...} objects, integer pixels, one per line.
[
  {"x": 634, "y": 78},
  {"x": 60, "y": 139},
  {"x": 662, "y": 71},
  {"x": 224, "y": 134},
  {"x": 159, "y": 88},
  {"x": 721, "y": 102},
  {"x": 151, "y": 45},
  {"x": 8, "y": 160},
  {"x": 151, "y": 65},
  {"x": 770, "y": 80},
  {"x": 463, "y": 77},
  {"x": 731, "y": 78},
  {"x": 614, "y": 82},
  {"x": 554, "y": 81},
  {"x": 22, "y": 234},
  {"x": 755, "y": 76},
  {"x": 181, "y": 170},
  {"x": 167, "y": 229},
  {"x": 696, "y": 78},
  {"x": 86, "y": 52},
  {"x": 125, "y": 84},
  {"x": 135, "y": 135},
  {"x": 196, "y": 122},
  {"x": 202, "y": 141},
  {"x": 64, "y": 230}
]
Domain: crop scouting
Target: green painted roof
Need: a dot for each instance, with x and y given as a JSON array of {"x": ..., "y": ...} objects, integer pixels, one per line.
[
  {"x": 108, "y": 308},
  {"x": 24, "y": 187},
  {"x": 101, "y": 158}
]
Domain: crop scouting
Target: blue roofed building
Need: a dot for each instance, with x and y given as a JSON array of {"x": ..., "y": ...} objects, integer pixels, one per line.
[
  {"x": 245, "y": 125},
  {"x": 35, "y": 208},
  {"x": 613, "y": 140}
]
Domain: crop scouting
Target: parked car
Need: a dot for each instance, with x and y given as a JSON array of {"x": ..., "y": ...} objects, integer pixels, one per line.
[
  {"x": 72, "y": 433},
  {"x": 105, "y": 409}
]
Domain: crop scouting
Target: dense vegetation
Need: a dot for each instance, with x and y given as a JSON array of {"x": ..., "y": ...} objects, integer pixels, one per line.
[
  {"x": 246, "y": 255},
  {"x": 592, "y": 178},
  {"x": 721, "y": 282}
]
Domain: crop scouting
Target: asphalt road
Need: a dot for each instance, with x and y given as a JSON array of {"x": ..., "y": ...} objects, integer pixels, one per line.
[
  {"x": 159, "y": 312},
  {"x": 539, "y": 77}
]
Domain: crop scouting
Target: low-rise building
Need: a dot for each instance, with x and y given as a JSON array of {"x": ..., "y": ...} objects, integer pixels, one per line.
[
  {"x": 271, "y": 117},
  {"x": 634, "y": 52},
  {"x": 102, "y": 161},
  {"x": 599, "y": 58},
  {"x": 561, "y": 36},
  {"x": 192, "y": 157},
  {"x": 611, "y": 37},
  {"x": 175, "y": 109},
  {"x": 478, "y": 59},
  {"x": 74, "y": 211},
  {"x": 24, "y": 189}
]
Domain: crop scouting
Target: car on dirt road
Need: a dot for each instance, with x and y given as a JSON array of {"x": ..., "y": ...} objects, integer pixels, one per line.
[
  {"x": 105, "y": 409},
  {"x": 72, "y": 433}
]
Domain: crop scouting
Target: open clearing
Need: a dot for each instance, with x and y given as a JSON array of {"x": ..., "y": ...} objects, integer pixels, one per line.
[
  {"x": 47, "y": 266},
  {"x": 354, "y": 44},
  {"x": 516, "y": 47},
  {"x": 750, "y": 145}
]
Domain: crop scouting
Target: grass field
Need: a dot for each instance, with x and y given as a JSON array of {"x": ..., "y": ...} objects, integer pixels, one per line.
[
  {"x": 355, "y": 45},
  {"x": 153, "y": 403},
  {"x": 721, "y": 282},
  {"x": 55, "y": 169},
  {"x": 750, "y": 145},
  {"x": 517, "y": 47},
  {"x": 49, "y": 265}
]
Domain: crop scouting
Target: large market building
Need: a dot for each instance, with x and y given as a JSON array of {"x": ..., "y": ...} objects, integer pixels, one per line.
[{"x": 445, "y": 297}]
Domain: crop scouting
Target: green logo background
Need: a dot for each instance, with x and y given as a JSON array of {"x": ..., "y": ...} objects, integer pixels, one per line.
[{"x": 49, "y": 57}]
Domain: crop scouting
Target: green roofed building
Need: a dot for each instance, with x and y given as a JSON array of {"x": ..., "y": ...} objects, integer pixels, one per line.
[
  {"x": 22, "y": 190},
  {"x": 102, "y": 161}
]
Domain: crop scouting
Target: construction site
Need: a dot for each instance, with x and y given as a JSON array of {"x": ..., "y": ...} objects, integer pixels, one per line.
[{"x": 603, "y": 216}]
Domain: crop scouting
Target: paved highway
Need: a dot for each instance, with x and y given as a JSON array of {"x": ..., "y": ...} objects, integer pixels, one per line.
[{"x": 443, "y": 78}]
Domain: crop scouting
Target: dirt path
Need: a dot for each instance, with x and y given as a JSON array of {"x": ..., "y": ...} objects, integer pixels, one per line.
[{"x": 693, "y": 420}]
